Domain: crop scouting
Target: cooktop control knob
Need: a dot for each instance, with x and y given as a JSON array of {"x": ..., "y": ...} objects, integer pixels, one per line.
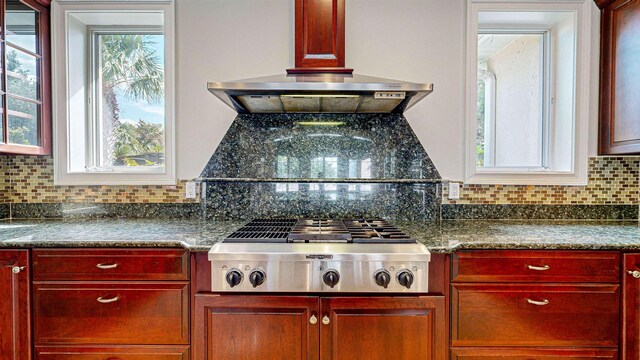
[
  {"x": 257, "y": 277},
  {"x": 331, "y": 278},
  {"x": 382, "y": 278},
  {"x": 234, "y": 277},
  {"x": 405, "y": 278}
]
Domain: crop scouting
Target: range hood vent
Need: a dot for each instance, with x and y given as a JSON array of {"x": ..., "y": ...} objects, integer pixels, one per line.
[
  {"x": 319, "y": 93},
  {"x": 320, "y": 83}
]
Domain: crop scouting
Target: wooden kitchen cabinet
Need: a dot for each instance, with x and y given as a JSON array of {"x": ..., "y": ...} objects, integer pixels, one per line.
[
  {"x": 630, "y": 348},
  {"x": 530, "y": 305},
  {"x": 243, "y": 327},
  {"x": 619, "y": 100},
  {"x": 381, "y": 328},
  {"x": 15, "y": 330},
  {"x": 111, "y": 304},
  {"x": 535, "y": 315},
  {"x": 255, "y": 327}
]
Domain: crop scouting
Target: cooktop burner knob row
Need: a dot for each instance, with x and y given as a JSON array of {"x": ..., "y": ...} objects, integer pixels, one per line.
[
  {"x": 331, "y": 278},
  {"x": 382, "y": 278},
  {"x": 257, "y": 277},
  {"x": 234, "y": 277},
  {"x": 405, "y": 278}
]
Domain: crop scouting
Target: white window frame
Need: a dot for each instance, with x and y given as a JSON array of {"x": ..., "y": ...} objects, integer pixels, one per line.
[
  {"x": 61, "y": 10},
  {"x": 579, "y": 157}
]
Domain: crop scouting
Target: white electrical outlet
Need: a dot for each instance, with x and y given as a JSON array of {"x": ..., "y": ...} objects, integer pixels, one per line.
[
  {"x": 454, "y": 191},
  {"x": 190, "y": 190}
]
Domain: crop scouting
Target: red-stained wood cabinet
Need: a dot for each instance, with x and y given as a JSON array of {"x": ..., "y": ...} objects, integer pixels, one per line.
[
  {"x": 535, "y": 305},
  {"x": 619, "y": 101},
  {"x": 630, "y": 349},
  {"x": 124, "y": 304},
  {"x": 15, "y": 330},
  {"x": 236, "y": 327}
]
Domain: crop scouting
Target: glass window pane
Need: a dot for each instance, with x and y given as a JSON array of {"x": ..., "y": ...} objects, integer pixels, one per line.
[
  {"x": 22, "y": 26},
  {"x": 22, "y": 77},
  {"x": 510, "y": 107},
  {"x": 132, "y": 116},
  {"x": 23, "y": 122}
]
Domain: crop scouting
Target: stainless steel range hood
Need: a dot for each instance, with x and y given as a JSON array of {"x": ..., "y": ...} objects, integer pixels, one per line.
[{"x": 319, "y": 93}]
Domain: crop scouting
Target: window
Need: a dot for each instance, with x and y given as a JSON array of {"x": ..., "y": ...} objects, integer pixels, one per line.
[
  {"x": 24, "y": 85},
  {"x": 114, "y": 103},
  {"x": 527, "y": 118}
]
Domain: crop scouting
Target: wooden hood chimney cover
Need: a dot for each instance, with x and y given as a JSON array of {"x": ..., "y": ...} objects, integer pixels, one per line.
[{"x": 319, "y": 37}]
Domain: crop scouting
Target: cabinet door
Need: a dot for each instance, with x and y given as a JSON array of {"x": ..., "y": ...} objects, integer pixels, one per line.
[
  {"x": 382, "y": 328},
  {"x": 631, "y": 308},
  {"x": 255, "y": 327},
  {"x": 619, "y": 100},
  {"x": 15, "y": 332}
]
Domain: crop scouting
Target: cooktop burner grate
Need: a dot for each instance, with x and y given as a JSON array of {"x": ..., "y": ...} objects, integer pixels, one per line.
[
  {"x": 319, "y": 230},
  {"x": 375, "y": 231},
  {"x": 263, "y": 230}
]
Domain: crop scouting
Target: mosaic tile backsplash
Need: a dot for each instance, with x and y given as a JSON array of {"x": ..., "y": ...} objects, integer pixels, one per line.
[
  {"x": 612, "y": 181},
  {"x": 29, "y": 179}
]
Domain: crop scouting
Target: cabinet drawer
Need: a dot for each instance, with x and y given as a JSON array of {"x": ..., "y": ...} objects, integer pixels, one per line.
[
  {"x": 536, "y": 266},
  {"x": 111, "y": 313},
  {"x": 110, "y": 264},
  {"x": 535, "y": 315},
  {"x": 532, "y": 354},
  {"x": 112, "y": 353}
]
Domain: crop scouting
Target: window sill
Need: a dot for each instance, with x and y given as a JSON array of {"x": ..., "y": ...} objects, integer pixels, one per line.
[
  {"x": 101, "y": 178},
  {"x": 546, "y": 178}
]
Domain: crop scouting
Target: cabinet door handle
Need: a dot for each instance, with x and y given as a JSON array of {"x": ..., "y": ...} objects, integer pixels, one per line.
[
  {"x": 107, "y": 266},
  {"x": 18, "y": 269},
  {"x": 102, "y": 300},
  {"x": 539, "y": 303},
  {"x": 326, "y": 320},
  {"x": 313, "y": 319},
  {"x": 538, "y": 268},
  {"x": 634, "y": 273}
]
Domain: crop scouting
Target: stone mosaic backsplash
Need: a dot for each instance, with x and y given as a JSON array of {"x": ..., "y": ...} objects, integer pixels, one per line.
[
  {"x": 5, "y": 184},
  {"x": 29, "y": 179},
  {"x": 612, "y": 181}
]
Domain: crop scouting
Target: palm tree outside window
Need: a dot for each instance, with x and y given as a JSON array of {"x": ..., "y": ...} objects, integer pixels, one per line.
[{"x": 128, "y": 116}]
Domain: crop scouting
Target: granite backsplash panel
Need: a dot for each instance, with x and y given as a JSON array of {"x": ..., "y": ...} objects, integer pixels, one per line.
[
  {"x": 392, "y": 201},
  {"x": 320, "y": 146},
  {"x": 320, "y": 165}
]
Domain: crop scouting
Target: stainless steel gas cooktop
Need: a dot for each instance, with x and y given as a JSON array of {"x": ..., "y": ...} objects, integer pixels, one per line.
[{"x": 319, "y": 255}]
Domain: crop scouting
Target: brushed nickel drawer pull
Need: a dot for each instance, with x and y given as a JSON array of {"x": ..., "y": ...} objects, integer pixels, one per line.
[
  {"x": 18, "y": 269},
  {"x": 326, "y": 320},
  {"x": 539, "y": 303},
  {"x": 538, "y": 268},
  {"x": 107, "y": 266},
  {"x": 313, "y": 320},
  {"x": 102, "y": 300}
]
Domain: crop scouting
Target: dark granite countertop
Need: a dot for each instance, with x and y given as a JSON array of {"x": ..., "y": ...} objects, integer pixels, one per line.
[{"x": 198, "y": 235}]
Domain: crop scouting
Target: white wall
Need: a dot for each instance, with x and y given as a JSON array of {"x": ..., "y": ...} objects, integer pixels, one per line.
[{"x": 413, "y": 40}]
